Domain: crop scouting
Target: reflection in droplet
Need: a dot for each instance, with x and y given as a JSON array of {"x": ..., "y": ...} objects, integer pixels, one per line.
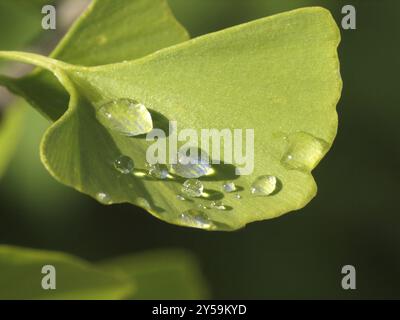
[
  {"x": 157, "y": 171},
  {"x": 202, "y": 206},
  {"x": 263, "y": 185},
  {"x": 303, "y": 152},
  {"x": 196, "y": 219},
  {"x": 192, "y": 163},
  {"x": 124, "y": 164},
  {"x": 229, "y": 186},
  {"x": 192, "y": 188},
  {"x": 103, "y": 198},
  {"x": 125, "y": 116},
  {"x": 218, "y": 205}
]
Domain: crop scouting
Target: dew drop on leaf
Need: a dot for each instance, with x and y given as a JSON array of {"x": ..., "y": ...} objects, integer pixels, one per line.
[
  {"x": 180, "y": 197},
  {"x": 217, "y": 205},
  {"x": 229, "y": 186},
  {"x": 196, "y": 219},
  {"x": 238, "y": 196},
  {"x": 192, "y": 163},
  {"x": 157, "y": 171},
  {"x": 202, "y": 206},
  {"x": 125, "y": 116},
  {"x": 303, "y": 152},
  {"x": 263, "y": 185},
  {"x": 124, "y": 164},
  {"x": 192, "y": 188},
  {"x": 103, "y": 198}
]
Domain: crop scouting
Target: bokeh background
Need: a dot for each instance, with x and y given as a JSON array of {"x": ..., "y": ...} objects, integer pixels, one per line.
[{"x": 355, "y": 218}]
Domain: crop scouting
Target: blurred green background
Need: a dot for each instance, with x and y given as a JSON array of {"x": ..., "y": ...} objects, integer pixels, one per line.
[{"x": 355, "y": 218}]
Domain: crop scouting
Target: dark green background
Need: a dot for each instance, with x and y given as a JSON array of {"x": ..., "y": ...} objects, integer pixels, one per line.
[{"x": 355, "y": 219}]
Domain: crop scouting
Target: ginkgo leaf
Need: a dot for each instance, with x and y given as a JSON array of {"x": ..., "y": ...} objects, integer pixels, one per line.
[
  {"x": 163, "y": 274},
  {"x": 278, "y": 76},
  {"x": 108, "y": 31},
  {"x": 21, "y": 277}
]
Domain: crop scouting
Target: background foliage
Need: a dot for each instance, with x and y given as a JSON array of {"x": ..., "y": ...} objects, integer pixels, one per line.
[{"x": 354, "y": 219}]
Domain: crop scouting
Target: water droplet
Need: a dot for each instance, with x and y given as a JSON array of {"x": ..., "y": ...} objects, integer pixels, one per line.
[
  {"x": 191, "y": 163},
  {"x": 124, "y": 164},
  {"x": 238, "y": 196},
  {"x": 202, "y": 206},
  {"x": 304, "y": 151},
  {"x": 157, "y": 171},
  {"x": 192, "y": 188},
  {"x": 180, "y": 197},
  {"x": 263, "y": 186},
  {"x": 217, "y": 205},
  {"x": 229, "y": 186},
  {"x": 103, "y": 198},
  {"x": 125, "y": 116},
  {"x": 196, "y": 219}
]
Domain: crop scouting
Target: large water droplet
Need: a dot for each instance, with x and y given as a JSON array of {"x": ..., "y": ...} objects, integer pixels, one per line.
[
  {"x": 192, "y": 188},
  {"x": 304, "y": 151},
  {"x": 103, "y": 198},
  {"x": 192, "y": 163},
  {"x": 263, "y": 185},
  {"x": 229, "y": 186},
  {"x": 196, "y": 219},
  {"x": 124, "y": 164},
  {"x": 157, "y": 171},
  {"x": 125, "y": 116},
  {"x": 217, "y": 205}
]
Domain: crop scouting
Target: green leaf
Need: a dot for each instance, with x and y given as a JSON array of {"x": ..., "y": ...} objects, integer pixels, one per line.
[
  {"x": 10, "y": 133},
  {"x": 21, "y": 277},
  {"x": 109, "y": 31},
  {"x": 170, "y": 275},
  {"x": 277, "y": 75}
]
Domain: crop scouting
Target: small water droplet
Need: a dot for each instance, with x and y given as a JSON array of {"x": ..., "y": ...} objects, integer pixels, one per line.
[
  {"x": 196, "y": 219},
  {"x": 238, "y": 196},
  {"x": 192, "y": 188},
  {"x": 263, "y": 185},
  {"x": 217, "y": 205},
  {"x": 124, "y": 164},
  {"x": 157, "y": 171},
  {"x": 202, "y": 206},
  {"x": 125, "y": 116},
  {"x": 180, "y": 197},
  {"x": 303, "y": 152},
  {"x": 103, "y": 198},
  {"x": 191, "y": 163},
  {"x": 229, "y": 186}
]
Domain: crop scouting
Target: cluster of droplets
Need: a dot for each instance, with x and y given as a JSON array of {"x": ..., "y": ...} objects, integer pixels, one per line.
[{"x": 129, "y": 117}]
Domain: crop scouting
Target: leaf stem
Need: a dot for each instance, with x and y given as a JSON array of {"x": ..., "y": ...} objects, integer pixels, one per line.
[{"x": 35, "y": 59}]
